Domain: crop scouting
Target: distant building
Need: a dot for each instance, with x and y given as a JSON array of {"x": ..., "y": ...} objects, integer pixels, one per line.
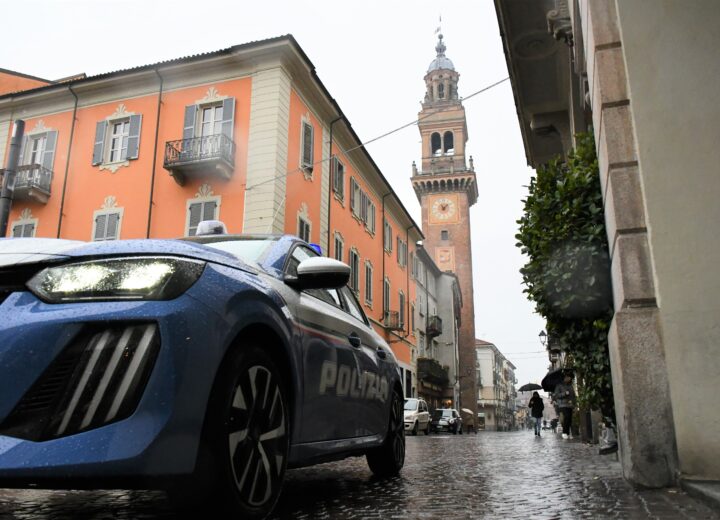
[{"x": 496, "y": 401}]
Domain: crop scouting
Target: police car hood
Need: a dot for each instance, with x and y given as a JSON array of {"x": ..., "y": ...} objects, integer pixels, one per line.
[{"x": 23, "y": 251}]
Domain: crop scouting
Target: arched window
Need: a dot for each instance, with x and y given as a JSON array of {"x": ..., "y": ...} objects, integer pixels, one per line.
[
  {"x": 435, "y": 144},
  {"x": 448, "y": 143},
  {"x": 441, "y": 90}
]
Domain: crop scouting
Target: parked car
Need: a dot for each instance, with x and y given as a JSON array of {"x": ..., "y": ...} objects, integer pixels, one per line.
[
  {"x": 206, "y": 366},
  {"x": 446, "y": 420},
  {"x": 417, "y": 417}
]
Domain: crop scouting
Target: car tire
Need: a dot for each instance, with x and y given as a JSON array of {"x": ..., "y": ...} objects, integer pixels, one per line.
[
  {"x": 246, "y": 441},
  {"x": 388, "y": 459},
  {"x": 427, "y": 429},
  {"x": 415, "y": 428}
]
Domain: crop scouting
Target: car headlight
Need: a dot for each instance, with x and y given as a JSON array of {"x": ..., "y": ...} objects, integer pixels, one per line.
[{"x": 137, "y": 278}]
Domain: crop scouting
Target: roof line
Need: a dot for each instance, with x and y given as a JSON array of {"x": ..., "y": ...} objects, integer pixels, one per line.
[{"x": 23, "y": 75}]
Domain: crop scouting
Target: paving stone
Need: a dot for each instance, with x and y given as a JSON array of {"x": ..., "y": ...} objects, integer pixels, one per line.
[{"x": 493, "y": 475}]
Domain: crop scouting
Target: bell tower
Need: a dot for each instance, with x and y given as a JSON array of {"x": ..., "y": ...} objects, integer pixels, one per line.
[{"x": 446, "y": 188}]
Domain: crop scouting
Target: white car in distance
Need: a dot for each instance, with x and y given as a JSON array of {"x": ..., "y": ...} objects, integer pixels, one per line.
[{"x": 417, "y": 416}]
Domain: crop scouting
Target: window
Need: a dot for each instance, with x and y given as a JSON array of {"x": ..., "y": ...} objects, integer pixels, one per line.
[
  {"x": 24, "y": 228},
  {"x": 386, "y": 296},
  {"x": 214, "y": 115},
  {"x": 338, "y": 178},
  {"x": 352, "y": 305},
  {"x": 401, "y": 310},
  {"x": 304, "y": 229},
  {"x": 306, "y": 147},
  {"x": 412, "y": 318},
  {"x": 401, "y": 252},
  {"x": 119, "y": 134},
  {"x": 435, "y": 144},
  {"x": 421, "y": 344},
  {"x": 448, "y": 146},
  {"x": 106, "y": 225},
  {"x": 441, "y": 90},
  {"x": 339, "y": 247},
  {"x": 368, "y": 283},
  {"x": 211, "y": 119},
  {"x": 354, "y": 262},
  {"x": 199, "y": 210},
  {"x": 37, "y": 148},
  {"x": 387, "y": 236},
  {"x": 414, "y": 264},
  {"x": 444, "y": 235},
  {"x": 117, "y": 140},
  {"x": 361, "y": 206}
]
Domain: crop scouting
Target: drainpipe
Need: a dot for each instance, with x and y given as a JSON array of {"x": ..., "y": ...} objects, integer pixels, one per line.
[
  {"x": 154, "y": 163},
  {"x": 8, "y": 181},
  {"x": 407, "y": 278},
  {"x": 385, "y": 311},
  {"x": 67, "y": 163},
  {"x": 330, "y": 191}
]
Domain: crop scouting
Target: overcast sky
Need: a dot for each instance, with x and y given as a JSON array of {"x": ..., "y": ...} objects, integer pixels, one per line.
[{"x": 372, "y": 56}]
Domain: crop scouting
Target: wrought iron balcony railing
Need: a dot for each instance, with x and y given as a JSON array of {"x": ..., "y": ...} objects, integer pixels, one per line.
[
  {"x": 434, "y": 326},
  {"x": 392, "y": 320},
  {"x": 200, "y": 156},
  {"x": 33, "y": 181}
]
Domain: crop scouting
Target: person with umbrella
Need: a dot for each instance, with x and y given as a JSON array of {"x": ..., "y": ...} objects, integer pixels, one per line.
[
  {"x": 536, "y": 406},
  {"x": 564, "y": 396}
]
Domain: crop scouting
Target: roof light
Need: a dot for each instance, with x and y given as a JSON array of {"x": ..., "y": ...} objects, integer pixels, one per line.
[{"x": 211, "y": 227}]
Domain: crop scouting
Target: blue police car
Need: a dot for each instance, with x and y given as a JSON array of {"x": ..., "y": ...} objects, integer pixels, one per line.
[{"x": 206, "y": 366}]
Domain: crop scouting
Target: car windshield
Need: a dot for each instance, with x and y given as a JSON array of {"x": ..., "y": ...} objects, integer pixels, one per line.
[
  {"x": 442, "y": 414},
  {"x": 411, "y": 404},
  {"x": 248, "y": 249}
]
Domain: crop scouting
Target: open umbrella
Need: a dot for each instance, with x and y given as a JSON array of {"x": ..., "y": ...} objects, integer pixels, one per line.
[
  {"x": 529, "y": 387},
  {"x": 466, "y": 410},
  {"x": 554, "y": 378}
]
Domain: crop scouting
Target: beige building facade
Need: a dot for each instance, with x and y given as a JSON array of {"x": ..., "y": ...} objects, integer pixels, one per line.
[{"x": 642, "y": 75}]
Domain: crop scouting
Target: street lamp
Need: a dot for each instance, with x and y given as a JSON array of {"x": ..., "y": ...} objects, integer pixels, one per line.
[{"x": 543, "y": 337}]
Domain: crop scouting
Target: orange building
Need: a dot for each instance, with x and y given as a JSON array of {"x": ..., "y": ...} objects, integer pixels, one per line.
[{"x": 244, "y": 134}]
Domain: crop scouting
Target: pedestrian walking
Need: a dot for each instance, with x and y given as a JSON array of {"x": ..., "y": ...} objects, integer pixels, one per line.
[
  {"x": 564, "y": 397},
  {"x": 536, "y": 406}
]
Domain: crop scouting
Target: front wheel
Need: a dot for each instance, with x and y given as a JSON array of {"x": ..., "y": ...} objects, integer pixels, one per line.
[
  {"x": 427, "y": 429},
  {"x": 247, "y": 439},
  {"x": 415, "y": 428},
  {"x": 388, "y": 459}
]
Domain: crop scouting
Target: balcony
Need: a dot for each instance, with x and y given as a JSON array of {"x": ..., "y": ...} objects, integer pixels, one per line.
[
  {"x": 32, "y": 183},
  {"x": 207, "y": 156},
  {"x": 434, "y": 326},
  {"x": 392, "y": 321},
  {"x": 431, "y": 371}
]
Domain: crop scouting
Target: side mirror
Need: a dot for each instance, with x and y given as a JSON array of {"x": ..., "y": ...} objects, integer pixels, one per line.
[{"x": 320, "y": 273}]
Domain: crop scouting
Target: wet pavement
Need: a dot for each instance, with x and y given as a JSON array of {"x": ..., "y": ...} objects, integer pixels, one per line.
[{"x": 489, "y": 475}]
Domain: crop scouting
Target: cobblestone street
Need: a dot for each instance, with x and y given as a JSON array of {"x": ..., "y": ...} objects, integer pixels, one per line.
[{"x": 489, "y": 475}]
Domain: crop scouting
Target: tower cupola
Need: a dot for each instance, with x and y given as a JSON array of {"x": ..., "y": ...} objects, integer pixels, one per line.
[{"x": 441, "y": 79}]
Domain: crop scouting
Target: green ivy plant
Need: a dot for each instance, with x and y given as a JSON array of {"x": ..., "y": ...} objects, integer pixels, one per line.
[{"x": 562, "y": 232}]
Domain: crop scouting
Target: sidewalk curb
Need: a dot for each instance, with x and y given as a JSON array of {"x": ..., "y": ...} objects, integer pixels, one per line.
[{"x": 706, "y": 490}]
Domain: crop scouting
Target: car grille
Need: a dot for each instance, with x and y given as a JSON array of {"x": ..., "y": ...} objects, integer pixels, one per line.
[
  {"x": 14, "y": 279},
  {"x": 96, "y": 380}
]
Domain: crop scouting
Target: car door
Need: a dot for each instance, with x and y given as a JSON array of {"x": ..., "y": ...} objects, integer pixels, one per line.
[
  {"x": 331, "y": 371},
  {"x": 423, "y": 416},
  {"x": 377, "y": 367}
]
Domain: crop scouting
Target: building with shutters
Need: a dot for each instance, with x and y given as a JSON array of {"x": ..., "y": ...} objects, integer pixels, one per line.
[{"x": 248, "y": 135}]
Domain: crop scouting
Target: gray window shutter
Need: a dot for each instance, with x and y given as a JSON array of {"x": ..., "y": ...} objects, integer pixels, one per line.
[
  {"x": 134, "y": 137},
  {"x": 228, "y": 115},
  {"x": 100, "y": 226},
  {"x": 189, "y": 124},
  {"x": 100, "y": 130},
  {"x": 113, "y": 219},
  {"x": 307, "y": 157},
  {"x": 17, "y": 231},
  {"x": 28, "y": 230},
  {"x": 49, "y": 154},
  {"x": 195, "y": 217},
  {"x": 209, "y": 210}
]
